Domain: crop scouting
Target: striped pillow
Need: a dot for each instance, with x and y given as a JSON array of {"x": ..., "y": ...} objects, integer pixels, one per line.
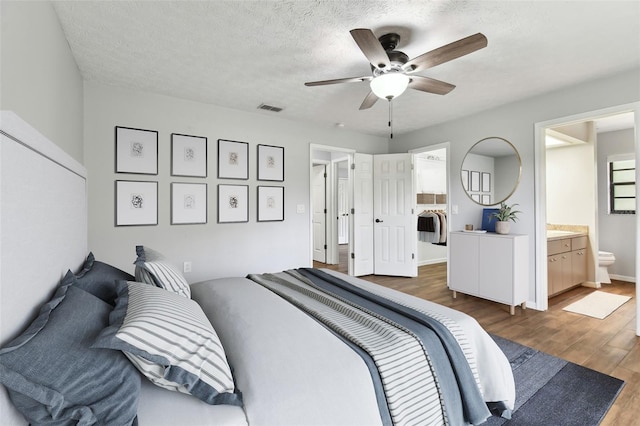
[
  {"x": 171, "y": 341},
  {"x": 152, "y": 268}
]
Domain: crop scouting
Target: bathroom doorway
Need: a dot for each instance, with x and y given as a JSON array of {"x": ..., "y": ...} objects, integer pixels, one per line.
[{"x": 588, "y": 145}]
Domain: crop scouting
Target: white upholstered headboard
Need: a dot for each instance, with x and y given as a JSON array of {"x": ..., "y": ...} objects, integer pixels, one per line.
[{"x": 43, "y": 226}]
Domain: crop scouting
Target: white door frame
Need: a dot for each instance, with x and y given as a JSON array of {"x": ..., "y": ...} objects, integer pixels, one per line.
[
  {"x": 332, "y": 233},
  {"x": 447, "y": 147},
  {"x": 541, "y": 195}
]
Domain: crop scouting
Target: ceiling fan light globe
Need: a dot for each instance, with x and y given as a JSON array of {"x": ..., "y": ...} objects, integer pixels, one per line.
[{"x": 389, "y": 85}]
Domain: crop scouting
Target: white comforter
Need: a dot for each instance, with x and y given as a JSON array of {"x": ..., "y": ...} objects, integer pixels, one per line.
[{"x": 292, "y": 371}]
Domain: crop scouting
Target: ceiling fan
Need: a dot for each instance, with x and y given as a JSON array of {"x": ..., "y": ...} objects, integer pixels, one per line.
[{"x": 393, "y": 71}]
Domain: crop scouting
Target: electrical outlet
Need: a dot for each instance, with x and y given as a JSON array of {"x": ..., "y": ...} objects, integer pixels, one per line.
[{"x": 186, "y": 267}]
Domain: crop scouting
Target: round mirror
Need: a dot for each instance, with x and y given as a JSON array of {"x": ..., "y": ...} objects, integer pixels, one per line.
[{"x": 491, "y": 171}]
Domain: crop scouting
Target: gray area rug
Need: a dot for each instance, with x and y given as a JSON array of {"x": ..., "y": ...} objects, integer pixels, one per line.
[{"x": 553, "y": 391}]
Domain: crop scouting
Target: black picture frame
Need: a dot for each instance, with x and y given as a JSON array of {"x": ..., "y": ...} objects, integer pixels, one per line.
[
  {"x": 270, "y": 203},
  {"x": 233, "y": 203},
  {"x": 270, "y": 163},
  {"x": 188, "y": 155},
  {"x": 189, "y": 202},
  {"x": 136, "y": 151},
  {"x": 136, "y": 203},
  {"x": 233, "y": 159}
]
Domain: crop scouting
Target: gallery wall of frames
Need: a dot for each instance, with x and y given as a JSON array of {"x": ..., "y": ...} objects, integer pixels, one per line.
[{"x": 136, "y": 198}]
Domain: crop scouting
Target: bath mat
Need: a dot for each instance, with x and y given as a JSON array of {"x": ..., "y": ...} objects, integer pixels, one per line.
[{"x": 598, "y": 304}]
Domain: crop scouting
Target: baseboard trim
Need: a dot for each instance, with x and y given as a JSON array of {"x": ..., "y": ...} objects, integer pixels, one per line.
[
  {"x": 622, "y": 278},
  {"x": 432, "y": 261}
]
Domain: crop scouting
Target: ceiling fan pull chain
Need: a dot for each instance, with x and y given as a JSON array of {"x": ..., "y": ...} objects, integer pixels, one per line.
[{"x": 390, "y": 118}]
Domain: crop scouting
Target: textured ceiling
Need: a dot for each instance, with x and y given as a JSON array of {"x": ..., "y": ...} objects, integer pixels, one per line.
[{"x": 239, "y": 54}]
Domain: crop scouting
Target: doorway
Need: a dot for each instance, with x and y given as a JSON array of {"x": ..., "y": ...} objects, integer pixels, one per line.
[
  {"x": 593, "y": 180},
  {"x": 330, "y": 201},
  {"x": 432, "y": 184}
]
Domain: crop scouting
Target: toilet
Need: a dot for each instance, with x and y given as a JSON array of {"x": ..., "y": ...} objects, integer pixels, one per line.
[{"x": 605, "y": 259}]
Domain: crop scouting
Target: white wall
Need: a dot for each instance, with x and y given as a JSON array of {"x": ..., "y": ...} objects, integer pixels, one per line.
[
  {"x": 571, "y": 192},
  {"x": 614, "y": 230},
  {"x": 570, "y": 185},
  {"x": 39, "y": 79},
  {"x": 515, "y": 122},
  {"x": 216, "y": 250}
]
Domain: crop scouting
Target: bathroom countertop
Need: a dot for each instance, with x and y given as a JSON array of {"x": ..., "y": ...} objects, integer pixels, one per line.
[{"x": 559, "y": 235}]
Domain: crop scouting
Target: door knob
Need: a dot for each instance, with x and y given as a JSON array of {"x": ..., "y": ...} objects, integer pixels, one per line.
[{"x": 379, "y": 221}]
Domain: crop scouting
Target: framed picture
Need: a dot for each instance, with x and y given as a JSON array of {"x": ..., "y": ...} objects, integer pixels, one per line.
[
  {"x": 233, "y": 159},
  {"x": 233, "y": 203},
  {"x": 136, "y": 151},
  {"x": 188, "y": 155},
  {"x": 270, "y": 203},
  {"x": 465, "y": 179},
  {"x": 271, "y": 163},
  {"x": 488, "y": 220},
  {"x": 188, "y": 203},
  {"x": 136, "y": 203},
  {"x": 475, "y": 181},
  {"x": 486, "y": 182}
]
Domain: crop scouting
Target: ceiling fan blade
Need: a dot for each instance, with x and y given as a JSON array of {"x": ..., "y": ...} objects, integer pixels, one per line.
[
  {"x": 430, "y": 85},
  {"x": 371, "y": 47},
  {"x": 339, "y": 80},
  {"x": 446, "y": 53},
  {"x": 369, "y": 101}
]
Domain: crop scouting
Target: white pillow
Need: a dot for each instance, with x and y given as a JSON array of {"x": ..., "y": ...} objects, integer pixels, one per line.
[
  {"x": 170, "y": 340},
  {"x": 152, "y": 268}
]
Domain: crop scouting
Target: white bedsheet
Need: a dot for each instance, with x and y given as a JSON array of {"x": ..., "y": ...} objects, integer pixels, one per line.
[
  {"x": 162, "y": 407},
  {"x": 292, "y": 371}
]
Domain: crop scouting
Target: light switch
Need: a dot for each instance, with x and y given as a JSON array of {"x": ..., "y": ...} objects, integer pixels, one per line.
[{"x": 300, "y": 208}]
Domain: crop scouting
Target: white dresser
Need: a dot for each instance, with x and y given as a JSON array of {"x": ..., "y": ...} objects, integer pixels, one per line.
[{"x": 491, "y": 266}]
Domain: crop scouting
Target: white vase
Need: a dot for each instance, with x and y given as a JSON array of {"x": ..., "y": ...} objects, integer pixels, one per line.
[{"x": 502, "y": 227}]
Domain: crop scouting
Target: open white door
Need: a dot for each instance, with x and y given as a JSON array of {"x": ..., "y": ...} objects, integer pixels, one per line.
[
  {"x": 395, "y": 222},
  {"x": 343, "y": 211},
  {"x": 361, "y": 229},
  {"x": 319, "y": 214}
]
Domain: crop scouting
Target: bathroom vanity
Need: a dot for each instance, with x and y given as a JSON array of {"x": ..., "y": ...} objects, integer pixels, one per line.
[
  {"x": 566, "y": 260},
  {"x": 490, "y": 266}
]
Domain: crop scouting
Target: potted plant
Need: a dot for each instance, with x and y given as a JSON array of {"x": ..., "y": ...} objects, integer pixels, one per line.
[{"x": 503, "y": 216}]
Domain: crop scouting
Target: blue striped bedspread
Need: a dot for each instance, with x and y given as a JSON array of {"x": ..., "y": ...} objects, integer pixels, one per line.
[{"x": 422, "y": 364}]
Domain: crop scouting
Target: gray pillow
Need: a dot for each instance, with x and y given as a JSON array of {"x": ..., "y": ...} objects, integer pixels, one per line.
[
  {"x": 99, "y": 279},
  {"x": 52, "y": 374},
  {"x": 152, "y": 268}
]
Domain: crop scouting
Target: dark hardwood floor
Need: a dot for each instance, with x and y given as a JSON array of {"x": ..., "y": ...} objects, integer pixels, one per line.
[{"x": 609, "y": 345}]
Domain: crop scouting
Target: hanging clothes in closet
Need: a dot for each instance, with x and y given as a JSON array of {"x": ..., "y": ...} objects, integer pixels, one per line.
[{"x": 432, "y": 227}]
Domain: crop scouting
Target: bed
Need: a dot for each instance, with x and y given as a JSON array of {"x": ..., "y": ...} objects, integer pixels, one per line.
[{"x": 299, "y": 347}]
